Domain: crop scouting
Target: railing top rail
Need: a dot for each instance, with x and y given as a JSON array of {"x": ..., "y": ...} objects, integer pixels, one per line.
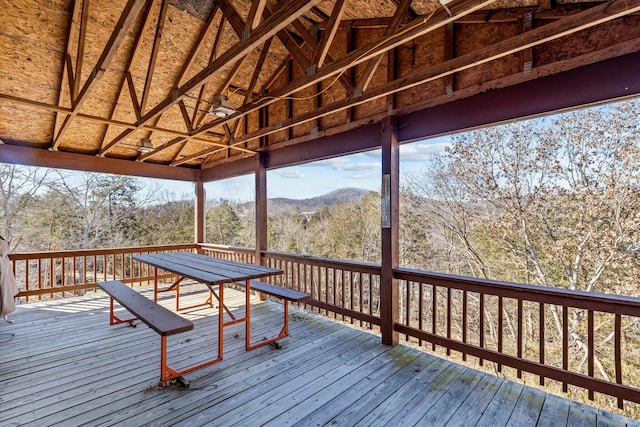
[
  {"x": 327, "y": 262},
  {"x": 616, "y": 304},
  {"x": 89, "y": 252}
]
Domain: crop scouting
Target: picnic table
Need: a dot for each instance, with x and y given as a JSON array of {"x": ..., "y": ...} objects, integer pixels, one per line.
[{"x": 212, "y": 272}]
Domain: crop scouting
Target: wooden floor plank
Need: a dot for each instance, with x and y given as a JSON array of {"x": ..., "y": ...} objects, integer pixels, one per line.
[
  {"x": 64, "y": 365},
  {"x": 581, "y": 415},
  {"x": 440, "y": 413},
  {"x": 330, "y": 402},
  {"x": 554, "y": 412},
  {"x": 386, "y": 410},
  {"x": 476, "y": 402},
  {"x": 425, "y": 398},
  {"x": 499, "y": 410},
  {"x": 528, "y": 407}
]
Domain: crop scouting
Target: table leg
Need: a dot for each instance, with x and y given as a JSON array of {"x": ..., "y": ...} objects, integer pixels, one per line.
[
  {"x": 155, "y": 284},
  {"x": 247, "y": 314},
  {"x": 221, "y": 321}
]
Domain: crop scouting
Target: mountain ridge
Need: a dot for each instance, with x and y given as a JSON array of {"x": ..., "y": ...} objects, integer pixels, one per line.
[{"x": 345, "y": 195}]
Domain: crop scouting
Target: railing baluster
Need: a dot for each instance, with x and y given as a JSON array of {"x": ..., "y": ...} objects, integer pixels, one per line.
[
  {"x": 420, "y": 309},
  {"x": 481, "y": 338},
  {"x": 434, "y": 313},
  {"x": 500, "y": 328},
  {"x": 565, "y": 343},
  {"x": 541, "y": 326},
  {"x": 590, "y": 348},
  {"x": 407, "y": 306},
  {"x": 344, "y": 275},
  {"x": 519, "y": 336},
  {"x": 618, "y": 354},
  {"x": 464, "y": 322}
]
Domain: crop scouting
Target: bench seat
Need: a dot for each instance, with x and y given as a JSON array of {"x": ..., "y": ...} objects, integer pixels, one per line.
[
  {"x": 158, "y": 318},
  {"x": 278, "y": 291}
]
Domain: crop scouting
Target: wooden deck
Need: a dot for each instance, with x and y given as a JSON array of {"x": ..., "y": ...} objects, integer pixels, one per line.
[{"x": 64, "y": 365}]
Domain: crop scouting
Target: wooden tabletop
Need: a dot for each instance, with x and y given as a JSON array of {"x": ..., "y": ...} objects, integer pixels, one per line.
[{"x": 205, "y": 269}]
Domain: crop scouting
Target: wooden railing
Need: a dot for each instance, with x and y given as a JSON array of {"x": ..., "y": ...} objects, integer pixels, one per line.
[
  {"x": 546, "y": 332},
  {"x": 60, "y": 274},
  {"x": 575, "y": 338},
  {"x": 347, "y": 289}
]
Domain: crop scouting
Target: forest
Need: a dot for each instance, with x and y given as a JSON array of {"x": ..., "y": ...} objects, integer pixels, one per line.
[{"x": 553, "y": 201}]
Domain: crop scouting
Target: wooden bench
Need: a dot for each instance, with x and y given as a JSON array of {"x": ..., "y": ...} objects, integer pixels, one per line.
[
  {"x": 158, "y": 318},
  {"x": 278, "y": 292}
]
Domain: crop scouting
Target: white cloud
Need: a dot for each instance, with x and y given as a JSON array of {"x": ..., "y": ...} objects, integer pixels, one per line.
[
  {"x": 291, "y": 173},
  {"x": 344, "y": 164},
  {"x": 421, "y": 151}
]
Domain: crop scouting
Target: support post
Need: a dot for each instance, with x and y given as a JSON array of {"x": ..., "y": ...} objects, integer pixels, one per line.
[
  {"x": 200, "y": 215},
  {"x": 261, "y": 207},
  {"x": 390, "y": 201}
]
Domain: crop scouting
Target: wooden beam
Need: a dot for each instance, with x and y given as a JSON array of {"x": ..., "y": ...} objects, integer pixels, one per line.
[
  {"x": 200, "y": 212},
  {"x": 254, "y": 16},
  {"x": 311, "y": 41},
  {"x": 130, "y": 61},
  {"x": 527, "y": 54},
  {"x": 374, "y": 63},
  {"x": 358, "y": 56},
  {"x": 232, "y": 16},
  {"x": 329, "y": 34},
  {"x": 154, "y": 55},
  {"x": 552, "y": 31},
  {"x": 261, "y": 208},
  {"x": 67, "y": 68},
  {"x": 283, "y": 17},
  {"x": 449, "y": 53},
  {"x": 82, "y": 35},
  {"x": 134, "y": 97},
  {"x": 185, "y": 116},
  {"x": 18, "y": 155},
  {"x": 127, "y": 18},
  {"x": 212, "y": 56},
  {"x": 390, "y": 224},
  {"x": 95, "y": 119},
  {"x": 256, "y": 72}
]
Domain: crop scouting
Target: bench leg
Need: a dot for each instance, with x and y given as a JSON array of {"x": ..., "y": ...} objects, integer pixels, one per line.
[
  {"x": 284, "y": 332},
  {"x": 168, "y": 374},
  {"x": 115, "y": 320}
]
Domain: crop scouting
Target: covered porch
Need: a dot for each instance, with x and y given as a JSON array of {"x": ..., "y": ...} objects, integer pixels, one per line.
[
  {"x": 172, "y": 90},
  {"x": 65, "y": 365}
]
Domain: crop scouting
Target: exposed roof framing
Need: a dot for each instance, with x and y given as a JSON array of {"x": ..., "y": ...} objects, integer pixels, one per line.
[{"x": 87, "y": 80}]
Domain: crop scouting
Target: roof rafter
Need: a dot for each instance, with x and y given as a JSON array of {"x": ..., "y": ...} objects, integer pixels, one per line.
[
  {"x": 552, "y": 31},
  {"x": 327, "y": 37},
  {"x": 283, "y": 17},
  {"x": 130, "y": 12},
  {"x": 67, "y": 69},
  {"x": 126, "y": 76},
  {"x": 417, "y": 29},
  {"x": 154, "y": 55},
  {"x": 374, "y": 63}
]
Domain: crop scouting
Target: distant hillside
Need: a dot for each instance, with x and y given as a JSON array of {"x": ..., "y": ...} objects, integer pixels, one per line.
[{"x": 336, "y": 197}]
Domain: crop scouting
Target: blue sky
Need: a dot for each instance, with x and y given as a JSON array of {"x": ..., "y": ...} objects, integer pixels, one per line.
[
  {"x": 361, "y": 170},
  {"x": 314, "y": 179}
]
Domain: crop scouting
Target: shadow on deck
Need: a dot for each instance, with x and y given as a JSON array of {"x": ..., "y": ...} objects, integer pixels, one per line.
[{"x": 65, "y": 365}]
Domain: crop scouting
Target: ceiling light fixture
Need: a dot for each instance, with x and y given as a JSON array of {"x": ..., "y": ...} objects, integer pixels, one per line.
[
  {"x": 221, "y": 106},
  {"x": 145, "y": 146}
]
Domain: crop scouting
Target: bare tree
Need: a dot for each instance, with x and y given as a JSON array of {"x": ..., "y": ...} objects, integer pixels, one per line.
[{"x": 18, "y": 188}]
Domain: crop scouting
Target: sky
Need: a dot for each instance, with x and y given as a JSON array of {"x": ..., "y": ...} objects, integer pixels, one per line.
[{"x": 361, "y": 170}]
